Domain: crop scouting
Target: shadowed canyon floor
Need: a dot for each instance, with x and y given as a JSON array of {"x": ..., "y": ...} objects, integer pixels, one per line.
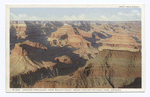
[{"x": 75, "y": 54}]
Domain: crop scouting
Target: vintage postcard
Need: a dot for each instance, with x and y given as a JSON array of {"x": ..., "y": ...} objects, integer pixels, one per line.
[{"x": 75, "y": 48}]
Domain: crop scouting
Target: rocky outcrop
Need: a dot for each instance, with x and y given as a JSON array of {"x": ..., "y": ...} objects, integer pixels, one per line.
[
  {"x": 20, "y": 58},
  {"x": 110, "y": 69},
  {"x": 63, "y": 59},
  {"x": 39, "y": 63},
  {"x": 18, "y": 50},
  {"x": 23, "y": 48},
  {"x": 84, "y": 34},
  {"x": 34, "y": 44},
  {"x": 67, "y": 35},
  {"x": 120, "y": 42},
  {"x": 20, "y": 30}
]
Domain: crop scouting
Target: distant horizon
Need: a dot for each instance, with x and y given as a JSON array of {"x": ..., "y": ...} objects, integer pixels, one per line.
[{"x": 75, "y": 14}]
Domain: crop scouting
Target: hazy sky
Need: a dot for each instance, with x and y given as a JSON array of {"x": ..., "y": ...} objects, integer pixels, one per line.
[{"x": 101, "y": 14}]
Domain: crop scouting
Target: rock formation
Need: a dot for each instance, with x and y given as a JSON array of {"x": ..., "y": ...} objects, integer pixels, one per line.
[
  {"x": 20, "y": 62},
  {"x": 120, "y": 42},
  {"x": 67, "y": 35},
  {"x": 20, "y": 30},
  {"x": 110, "y": 69},
  {"x": 63, "y": 59}
]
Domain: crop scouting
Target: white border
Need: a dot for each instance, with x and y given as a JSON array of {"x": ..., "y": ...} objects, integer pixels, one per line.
[{"x": 8, "y": 6}]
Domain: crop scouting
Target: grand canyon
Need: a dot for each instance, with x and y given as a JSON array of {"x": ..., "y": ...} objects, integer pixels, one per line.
[{"x": 75, "y": 54}]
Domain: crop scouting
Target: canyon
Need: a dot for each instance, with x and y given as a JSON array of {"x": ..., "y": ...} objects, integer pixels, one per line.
[{"x": 75, "y": 54}]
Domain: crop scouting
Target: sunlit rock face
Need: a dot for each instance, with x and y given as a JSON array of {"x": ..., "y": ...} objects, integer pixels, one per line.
[
  {"x": 19, "y": 29},
  {"x": 22, "y": 48},
  {"x": 121, "y": 42},
  {"x": 21, "y": 57},
  {"x": 67, "y": 35}
]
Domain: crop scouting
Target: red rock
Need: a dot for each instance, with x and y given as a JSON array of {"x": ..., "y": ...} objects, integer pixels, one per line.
[
  {"x": 23, "y": 48},
  {"x": 73, "y": 37},
  {"x": 120, "y": 42}
]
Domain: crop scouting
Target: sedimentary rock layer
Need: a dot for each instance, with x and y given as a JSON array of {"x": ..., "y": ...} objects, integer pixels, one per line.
[
  {"x": 110, "y": 69},
  {"x": 67, "y": 35},
  {"x": 21, "y": 57},
  {"x": 121, "y": 42}
]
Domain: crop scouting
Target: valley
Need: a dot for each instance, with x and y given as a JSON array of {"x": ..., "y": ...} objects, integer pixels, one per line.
[{"x": 75, "y": 54}]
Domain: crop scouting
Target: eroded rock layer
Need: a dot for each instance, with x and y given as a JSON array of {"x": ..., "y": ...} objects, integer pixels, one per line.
[
  {"x": 19, "y": 30},
  {"x": 110, "y": 69},
  {"x": 22, "y": 55},
  {"x": 121, "y": 42},
  {"x": 67, "y": 35}
]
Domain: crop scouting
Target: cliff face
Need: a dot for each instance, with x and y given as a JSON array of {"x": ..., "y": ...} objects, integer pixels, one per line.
[
  {"x": 20, "y": 58},
  {"x": 24, "y": 47},
  {"x": 67, "y": 35},
  {"x": 20, "y": 30},
  {"x": 31, "y": 62},
  {"x": 110, "y": 69},
  {"x": 121, "y": 42},
  {"x": 18, "y": 50}
]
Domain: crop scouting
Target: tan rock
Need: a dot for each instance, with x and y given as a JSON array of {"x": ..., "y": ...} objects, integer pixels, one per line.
[
  {"x": 120, "y": 42},
  {"x": 67, "y": 35},
  {"x": 63, "y": 59}
]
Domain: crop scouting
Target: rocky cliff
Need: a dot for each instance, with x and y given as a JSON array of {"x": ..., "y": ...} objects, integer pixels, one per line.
[
  {"x": 21, "y": 57},
  {"x": 20, "y": 30},
  {"x": 121, "y": 42},
  {"x": 110, "y": 69},
  {"x": 67, "y": 35}
]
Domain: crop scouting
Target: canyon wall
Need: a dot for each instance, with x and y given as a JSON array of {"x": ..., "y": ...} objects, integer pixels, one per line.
[{"x": 110, "y": 69}]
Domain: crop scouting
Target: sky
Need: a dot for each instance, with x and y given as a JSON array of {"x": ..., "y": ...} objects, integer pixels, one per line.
[{"x": 73, "y": 14}]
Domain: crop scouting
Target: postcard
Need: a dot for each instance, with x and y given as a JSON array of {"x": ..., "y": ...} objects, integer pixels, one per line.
[{"x": 75, "y": 48}]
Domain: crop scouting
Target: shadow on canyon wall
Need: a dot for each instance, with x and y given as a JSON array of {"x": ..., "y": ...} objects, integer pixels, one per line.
[
  {"x": 35, "y": 32},
  {"x": 84, "y": 25},
  {"x": 29, "y": 79},
  {"x": 135, "y": 84},
  {"x": 137, "y": 40}
]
